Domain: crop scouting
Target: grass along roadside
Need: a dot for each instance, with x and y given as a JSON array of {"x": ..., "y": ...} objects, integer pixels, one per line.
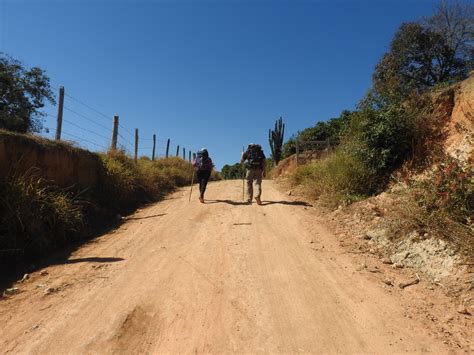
[
  {"x": 438, "y": 203},
  {"x": 37, "y": 217},
  {"x": 338, "y": 178}
]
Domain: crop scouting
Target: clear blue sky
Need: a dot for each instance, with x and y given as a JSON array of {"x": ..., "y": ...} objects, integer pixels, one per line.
[{"x": 204, "y": 73}]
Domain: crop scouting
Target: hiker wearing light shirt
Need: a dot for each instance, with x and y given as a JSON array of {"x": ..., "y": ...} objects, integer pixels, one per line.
[{"x": 254, "y": 161}]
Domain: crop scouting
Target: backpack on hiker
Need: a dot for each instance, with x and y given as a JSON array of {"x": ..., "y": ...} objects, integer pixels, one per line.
[
  {"x": 203, "y": 162},
  {"x": 255, "y": 156}
]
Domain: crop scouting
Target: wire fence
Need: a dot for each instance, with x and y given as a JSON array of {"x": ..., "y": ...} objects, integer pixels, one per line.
[
  {"x": 309, "y": 150},
  {"x": 85, "y": 126}
]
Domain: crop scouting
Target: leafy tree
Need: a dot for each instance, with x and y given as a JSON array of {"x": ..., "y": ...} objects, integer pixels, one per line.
[
  {"x": 381, "y": 134},
  {"x": 22, "y": 94},
  {"x": 337, "y": 126},
  {"x": 230, "y": 172},
  {"x": 289, "y": 148},
  {"x": 332, "y": 129},
  {"x": 455, "y": 22},
  {"x": 438, "y": 49}
]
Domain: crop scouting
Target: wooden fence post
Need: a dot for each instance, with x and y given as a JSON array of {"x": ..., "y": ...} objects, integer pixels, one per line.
[
  {"x": 177, "y": 151},
  {"x": 136, "y": 145},
  {"x": 115, "y": 126},
  {"x": 190, "y": 156},
  {"x": 184, "y": 153},
  {"x": 154, "y": 145},
  {"x": 59, "y": 123},
  {"x": 167, "y": 148}
]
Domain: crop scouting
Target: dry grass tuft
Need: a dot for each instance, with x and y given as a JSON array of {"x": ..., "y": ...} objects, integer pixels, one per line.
[
  {"x": 35, "y": 216},
  {"x": 338, "y": 178}
]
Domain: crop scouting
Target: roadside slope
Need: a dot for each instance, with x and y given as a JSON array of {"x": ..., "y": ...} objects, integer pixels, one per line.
[{"x": 220, "y": 277}]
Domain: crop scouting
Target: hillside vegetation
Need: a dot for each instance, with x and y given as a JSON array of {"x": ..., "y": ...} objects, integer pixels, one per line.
[
  {"x": 419, "y": 159},
  {"x": 413, "y": 129}
]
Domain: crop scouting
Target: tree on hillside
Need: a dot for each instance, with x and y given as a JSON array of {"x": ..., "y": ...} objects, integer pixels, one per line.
[
  {"x": 418, "y": 59},
  {"x": 381, "y": 134},
  {"x": 455, "y": 22},
  {"x": 275, "y": 139},
  {"x": 230, "y": 172},
  {"x": 22, "y": 94},
  {"x": 332, "y": 129},
  {"x": 423, "y": 54}
]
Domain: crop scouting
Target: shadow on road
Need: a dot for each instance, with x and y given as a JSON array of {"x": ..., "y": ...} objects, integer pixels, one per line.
[
  {"x": 229, "y": 202},
  {"x": 289, "y": 203},
  {"x": 171, "y": 198},
  {"x": 136, "y": 218},
  {"x": 12, "y": 270},
  {"x": 91, "y": 260},
  {"x": 264, "y": 203}
]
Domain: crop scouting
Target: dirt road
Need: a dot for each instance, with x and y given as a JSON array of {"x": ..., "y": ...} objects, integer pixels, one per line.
[{"x": 182, "y": 277}]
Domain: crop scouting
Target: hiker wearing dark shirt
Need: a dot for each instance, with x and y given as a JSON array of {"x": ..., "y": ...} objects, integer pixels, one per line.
[
  {"x": 254, "y": 159},
  {"x": 203, "y": 166}
]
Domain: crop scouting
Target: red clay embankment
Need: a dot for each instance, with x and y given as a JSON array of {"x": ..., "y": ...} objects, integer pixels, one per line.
[{"x": 60, "y": 163}]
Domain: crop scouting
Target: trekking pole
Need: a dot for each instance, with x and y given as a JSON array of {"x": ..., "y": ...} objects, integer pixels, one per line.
[
  {"x": 192, "y": 183},
  {"x": 243, "y": 177}
]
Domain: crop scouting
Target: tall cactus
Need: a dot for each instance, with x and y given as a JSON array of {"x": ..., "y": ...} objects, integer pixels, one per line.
[{"x": 275, "y": 139}]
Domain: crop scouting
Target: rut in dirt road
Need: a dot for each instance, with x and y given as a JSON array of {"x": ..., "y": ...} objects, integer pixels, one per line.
[{"x": 219, "y": 277}]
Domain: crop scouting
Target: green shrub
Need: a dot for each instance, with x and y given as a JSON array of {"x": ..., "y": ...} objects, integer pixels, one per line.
[
  {"x": 335, "y": 179},
  {"x": 125, "y": 184},
  {"x": 449, "y": 190},
  {"x": 381, "y": 134},
  {"x": 161, "y": 176},
  {"x": 120, "y": 173},
  {"x": 119, "y": 185},
  {"x": 232, "y": 172},
  {"x": 332, "y": 129}
]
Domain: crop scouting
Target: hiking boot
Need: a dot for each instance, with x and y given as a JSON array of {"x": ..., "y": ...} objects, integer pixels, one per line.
[
  {"x": 259, "y": 202},
  {"x": 201, "y": 199}
]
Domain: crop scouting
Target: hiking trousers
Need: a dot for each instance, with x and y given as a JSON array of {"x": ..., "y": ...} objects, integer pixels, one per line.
[
  {"x": 251, "y": 176},
  {"x": 203, "y": 178}
]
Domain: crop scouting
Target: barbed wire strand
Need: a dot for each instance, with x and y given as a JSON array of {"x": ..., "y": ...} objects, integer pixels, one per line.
[
  {"x": 85, "y": 129},
  {"x": 143, "y": 138},
  {"x": 128, "y": 144},
  {"x": 126, "y": 130},
  {"x": 87, "y": 118},
  {"x": 80, "y": 139},
  {"x": 104, "y": 116},
  {"x": 126, "y": 140}
]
